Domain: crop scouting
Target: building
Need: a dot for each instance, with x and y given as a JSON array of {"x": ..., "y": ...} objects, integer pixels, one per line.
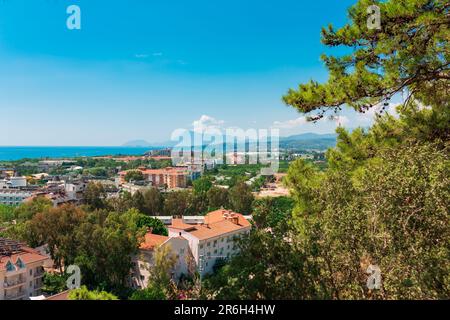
[
  {"x": 171, "y": 177},
  {"x": 145, "y": 259},
  {"x": 13, "y": 183},
  {"x": 212, "y": 240},
  {"x": 14, "y": 197},
  {"x": 21, "y": 271}
]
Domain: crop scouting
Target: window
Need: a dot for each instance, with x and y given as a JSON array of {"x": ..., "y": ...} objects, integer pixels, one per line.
[
  {"x": 31, "y": 272},
  {"x": 208, "y": 244},
  {"x": 201, "y": 246},
  {"x": 20, "y": 264},
  {"x": 10, "y": 266}
]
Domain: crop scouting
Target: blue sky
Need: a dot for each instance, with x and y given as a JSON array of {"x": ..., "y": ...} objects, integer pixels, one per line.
[{"x": 139, "y": 69}]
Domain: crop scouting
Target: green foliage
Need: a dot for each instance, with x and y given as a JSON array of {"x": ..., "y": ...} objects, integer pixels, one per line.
[
  {"x": 272, "y": 212},
  {"x": 134, "y": 175},
  {"x": 29, "y": 209},
  {"x": 410, "y": 51},
  {"x": 153, "y": 202},
  {"x": 383, "y": 197},
  {"x": 157, "y": 226},
  {"x": 84, "y": 294},
  {"x": 54, "y": 283},
  {"x": 241, "y": 198},
  {"x": 178, "y": 203},
  {"x": 217, "y": 198},
  {"x": 150, "y": 293},
  {"x": 95, "y": 196},
  {"x": 7, "y": 213}
]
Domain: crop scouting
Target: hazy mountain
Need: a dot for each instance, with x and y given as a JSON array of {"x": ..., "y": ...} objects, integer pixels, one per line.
[
  {"x": 299, "y": 141},
  {"x": 137, "y": 143}
]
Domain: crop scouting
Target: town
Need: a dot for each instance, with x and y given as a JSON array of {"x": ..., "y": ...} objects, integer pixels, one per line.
[{"x": 190, "y": 204}]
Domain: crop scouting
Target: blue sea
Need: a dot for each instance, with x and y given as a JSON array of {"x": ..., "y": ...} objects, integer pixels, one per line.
[{"x": 17, "y": 153}]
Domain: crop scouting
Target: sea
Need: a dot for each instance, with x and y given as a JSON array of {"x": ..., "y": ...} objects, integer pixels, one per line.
[{"x": 18, "y": 153}]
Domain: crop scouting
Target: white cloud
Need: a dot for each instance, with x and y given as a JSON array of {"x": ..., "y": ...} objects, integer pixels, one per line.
[
  {"x": 340, "y": 121},
  {"x": 370, "y": 115},
  {"x": 290, "y": 124},
  {"x": 207, "y": 124}
]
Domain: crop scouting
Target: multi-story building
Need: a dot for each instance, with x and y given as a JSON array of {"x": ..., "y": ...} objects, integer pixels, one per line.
[
  {"x": 145, "y": 259},
  {"x": 213, "y": 239},
  {"x": 14, "y": 197},
  {"x": 21, "y": 271},
  {"x": 171, "y": 177}
]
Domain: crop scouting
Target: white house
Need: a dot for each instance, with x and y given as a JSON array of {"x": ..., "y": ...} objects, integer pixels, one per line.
[
  {"x": 145, "y": 259},
  {"x": 21, "y": 271},
  {"x": 213, "y": 239}
]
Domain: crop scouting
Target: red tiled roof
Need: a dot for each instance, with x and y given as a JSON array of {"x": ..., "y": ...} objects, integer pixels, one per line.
[
  {"x": 27, "y": 255},
  {"x": 60, "y": 296},
  {"x": 152, "y": 240},
  {"x": 216, "y": 223}
]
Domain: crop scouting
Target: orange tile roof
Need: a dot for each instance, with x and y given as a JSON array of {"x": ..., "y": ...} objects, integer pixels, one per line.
[
  {"x": 152, "y": 240},
  {"x": 180, "y": 225},
  {"x": 60, "y": 296},
  {"x": 216, "y": 223},
  {"x": 27, "y": 255}
]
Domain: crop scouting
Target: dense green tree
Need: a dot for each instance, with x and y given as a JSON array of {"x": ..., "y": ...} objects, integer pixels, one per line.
[
  {"x": 241, "y": 198},
  {"x": 157, "y": 226},
  {"x": 106, "y": 243},
  {"x": 153, "y": 202},
  {"x": 84, "y": 294},
  {"x": 6, "y": 213},
  {"x": 409, "y": 52},
  {"x": 217, "y": 198},
  {"x": 122, "y": 203},
  {"x": 134, "y": 175},
  {"x": 178, "y": 203},
  {"x": 138, "y": 201},
  {"x": 200, "y": 190},
  {"x": 28, "y": 209},
  {"x": 150, "y": 293},
  {"x": 56, "y": 228},
  {"x": 54, "y": 283},
  {"x": 95, "y": 195}
]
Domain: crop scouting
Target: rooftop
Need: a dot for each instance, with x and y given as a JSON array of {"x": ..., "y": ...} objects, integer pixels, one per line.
[
  {"x": 11, "y": 250},
  {"x": 152, "y": 240},
  {"x": 216, "y": 223}
]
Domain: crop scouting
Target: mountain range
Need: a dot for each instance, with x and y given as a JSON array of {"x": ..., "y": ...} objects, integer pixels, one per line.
[{"x": 299, "y": 141}]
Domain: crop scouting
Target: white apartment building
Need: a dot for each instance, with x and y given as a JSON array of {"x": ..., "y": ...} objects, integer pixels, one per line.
[
  {"x": 21, "y": 271},
  {"x": 145, "y": 259},
  {"x": 13, "y": 197},
  {"x": 213, "y": 239}
]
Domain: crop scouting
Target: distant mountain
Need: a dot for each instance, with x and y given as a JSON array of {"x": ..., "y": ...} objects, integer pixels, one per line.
[
  {"x": 309, "y": 136},
  {"x": 308, "y": 141},
  {"x": 137, "y": 144},
  {"x": 305, "y": 141}
]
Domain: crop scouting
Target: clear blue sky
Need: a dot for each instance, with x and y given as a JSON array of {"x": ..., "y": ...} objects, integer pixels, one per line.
[{"x": 139, "y": 69}]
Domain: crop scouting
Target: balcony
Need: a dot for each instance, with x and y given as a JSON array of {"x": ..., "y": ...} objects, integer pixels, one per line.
[
  {"x": 39, "y": 273},
  {"x": 9, "y": 284},
  {"x": 15, "y": 295}
]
